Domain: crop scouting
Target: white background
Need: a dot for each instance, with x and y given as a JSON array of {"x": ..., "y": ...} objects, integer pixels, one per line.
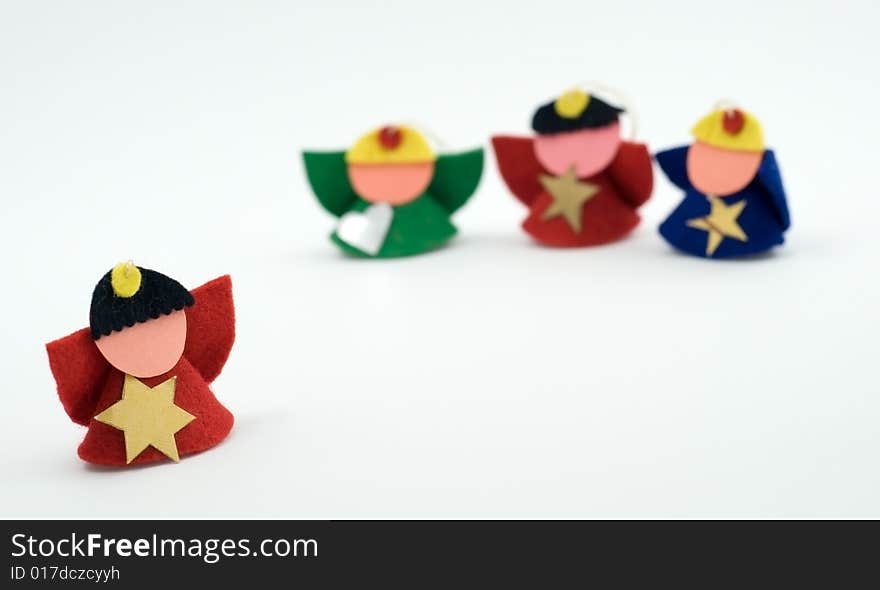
[{"x": 494, "y": 378}]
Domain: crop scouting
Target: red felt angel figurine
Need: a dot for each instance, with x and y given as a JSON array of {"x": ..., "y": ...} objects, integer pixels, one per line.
[
  {"x": 581, "y": 182},
  {"x": 138, "y": 375}
]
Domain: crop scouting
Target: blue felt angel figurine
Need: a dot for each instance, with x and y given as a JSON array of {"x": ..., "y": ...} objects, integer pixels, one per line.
[{"x": 734, "y": 202}]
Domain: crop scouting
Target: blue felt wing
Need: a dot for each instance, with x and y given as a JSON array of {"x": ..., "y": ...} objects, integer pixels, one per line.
[
  {"x": 673, "y": 162},
  {"x": 770, "y": 178}
]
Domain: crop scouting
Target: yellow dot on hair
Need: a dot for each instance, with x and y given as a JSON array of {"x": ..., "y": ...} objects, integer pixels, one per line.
[
  {"x": 125, "y": 278},
  {"x": 571, "y": 104}
]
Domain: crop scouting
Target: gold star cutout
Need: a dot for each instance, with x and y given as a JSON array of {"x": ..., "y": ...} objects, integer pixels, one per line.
[
  {"x": 569, "y": 195},
  {"x": 720, "y": 223},
  {"x": 147, "y": 416}
]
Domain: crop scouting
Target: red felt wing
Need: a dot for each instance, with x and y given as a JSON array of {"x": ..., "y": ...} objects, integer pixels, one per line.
[
  {"x": 518, "y": 166},
  {"x": 210, "y": 327},
  {"x": 632, "y": 173},
  {"x": 79, "y": 370}
]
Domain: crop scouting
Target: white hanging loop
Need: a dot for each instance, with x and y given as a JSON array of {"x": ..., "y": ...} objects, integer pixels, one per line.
[
  {"x": 725, "y": 104},
  {"x": 617, "y": 96},
  {"x": 433, "y": 137}
]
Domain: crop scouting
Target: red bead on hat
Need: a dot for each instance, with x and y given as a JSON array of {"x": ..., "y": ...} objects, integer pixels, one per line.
[
  {"x": 390, "y": 137},
  {"x": 733, "y": 121}
]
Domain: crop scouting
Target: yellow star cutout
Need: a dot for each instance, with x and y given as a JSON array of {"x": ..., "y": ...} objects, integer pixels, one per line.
[
  {"x": 720, "y": 223},
  {"x": 147, "y": 416},
  {"x": 569, "y": 195}
]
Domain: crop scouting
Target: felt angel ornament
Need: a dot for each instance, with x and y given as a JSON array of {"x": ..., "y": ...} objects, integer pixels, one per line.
[
  {"x": 734, "y": 203},
  {"x": 138, "y": 377},
  {"x": 580, "y": 180},
  {"x": 392, "y": 194}
]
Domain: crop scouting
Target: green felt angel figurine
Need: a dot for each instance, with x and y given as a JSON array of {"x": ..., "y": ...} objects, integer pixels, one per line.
[{"x": 392, "y": 194}]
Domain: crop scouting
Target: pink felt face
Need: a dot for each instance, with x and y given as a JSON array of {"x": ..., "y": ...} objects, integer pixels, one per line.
[
  {"x": 146, "y": 349},
  {"x": 589, "y": 150},
  {"x": 395, "y": 184},
  {"x": 720, "y": 172}
]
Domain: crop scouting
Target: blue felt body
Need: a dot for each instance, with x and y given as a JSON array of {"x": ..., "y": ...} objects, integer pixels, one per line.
[{"x": 764, "y": 218}]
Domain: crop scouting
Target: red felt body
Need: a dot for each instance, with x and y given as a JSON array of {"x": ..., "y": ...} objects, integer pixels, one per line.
[
  {"x": 105, "y": 445},
  {"x": 87, "y": 384},
  {"x": 611, "y": 214}
]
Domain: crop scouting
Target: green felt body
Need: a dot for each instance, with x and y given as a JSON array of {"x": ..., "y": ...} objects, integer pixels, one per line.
[{"x": 417, "y": 227}]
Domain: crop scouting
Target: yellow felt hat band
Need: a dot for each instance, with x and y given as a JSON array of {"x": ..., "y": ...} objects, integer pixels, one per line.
[
  {"x": 410, "y": 147},
  {"x": 731, "y": 129},
  {"x": 125, "y": 278}
]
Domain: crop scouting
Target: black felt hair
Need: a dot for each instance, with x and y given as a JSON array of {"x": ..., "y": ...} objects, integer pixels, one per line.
[
  {"x": 597, "y": 114},
  {"x": 158, "y": 295}
]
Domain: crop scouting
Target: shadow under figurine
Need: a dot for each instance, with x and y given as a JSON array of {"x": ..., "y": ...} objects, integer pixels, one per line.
[
  {"x": 581, "y": 182},
  {"x": 139, "y": 376},
  {"x": 392, "y": 194},
  {"x": 734, "y": 202}
]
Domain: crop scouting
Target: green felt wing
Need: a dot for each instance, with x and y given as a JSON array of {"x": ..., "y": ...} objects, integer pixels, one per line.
[
  {"x": 456, "y": 177},
  {"x": 328, "y": 175}
]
